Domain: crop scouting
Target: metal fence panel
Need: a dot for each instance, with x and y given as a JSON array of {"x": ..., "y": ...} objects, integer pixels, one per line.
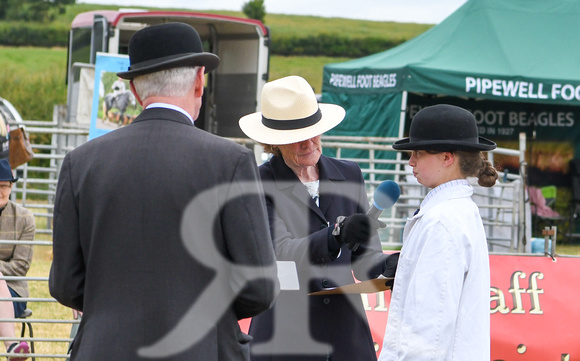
[{"x": 502, "y": 209}]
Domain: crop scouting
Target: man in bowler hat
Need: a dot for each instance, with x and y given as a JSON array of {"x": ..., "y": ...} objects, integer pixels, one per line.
[{"x": 157, "y": 225}]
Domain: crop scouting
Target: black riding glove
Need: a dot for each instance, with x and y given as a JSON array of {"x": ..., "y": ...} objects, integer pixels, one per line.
[
  {"x": 355, "y": 230},
  {"x": 391, "y": 268},
  {"x": 391, "y": 265}
]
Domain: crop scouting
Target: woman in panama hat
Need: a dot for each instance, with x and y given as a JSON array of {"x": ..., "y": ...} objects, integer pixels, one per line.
[
  {"x": 439, "y": 307},
  {"x": 307, "y": 195}
]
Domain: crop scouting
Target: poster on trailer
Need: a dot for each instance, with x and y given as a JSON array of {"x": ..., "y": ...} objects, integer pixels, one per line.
[{"x": 114, "y": 105}]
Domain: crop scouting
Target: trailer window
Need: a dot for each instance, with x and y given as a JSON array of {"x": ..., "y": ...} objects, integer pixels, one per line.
[{"x": 80, "y": 46}]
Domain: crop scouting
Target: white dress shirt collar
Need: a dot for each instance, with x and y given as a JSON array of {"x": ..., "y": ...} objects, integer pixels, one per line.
[
  {"x": 433, "y": 192},
  {"x": 170, "y": 106}
]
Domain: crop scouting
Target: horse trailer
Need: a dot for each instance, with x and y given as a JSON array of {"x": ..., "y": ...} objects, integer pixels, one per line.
[{"x": 232, "y": 90}]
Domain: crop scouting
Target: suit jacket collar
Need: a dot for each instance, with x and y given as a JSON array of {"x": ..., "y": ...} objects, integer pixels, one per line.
[
  {"x": 283, "y": 173},
  {"x": 329, "y": 175},
  {"x": 163, "y": 114},
  {"x": 8, "y": 208}
]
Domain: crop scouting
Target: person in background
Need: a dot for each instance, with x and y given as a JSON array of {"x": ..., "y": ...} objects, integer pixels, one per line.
[
  {"x": 317, "y": 209},
  {"x": 439, "y": 307},
  {"x": 16, "y": 223},
  {"x": 4, "y": 141},
  {"x": 118, "y": 86},
  {"x": 138, "y": 210}
]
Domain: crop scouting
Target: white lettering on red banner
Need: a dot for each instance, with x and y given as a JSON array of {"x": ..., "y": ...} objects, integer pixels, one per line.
[{"x": 533, "y": 309}]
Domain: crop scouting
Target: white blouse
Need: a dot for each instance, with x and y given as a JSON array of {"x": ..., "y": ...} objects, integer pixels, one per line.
[{"x": 440, "y": 303}]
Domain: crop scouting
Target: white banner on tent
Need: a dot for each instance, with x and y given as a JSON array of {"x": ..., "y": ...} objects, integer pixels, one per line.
[
  {"x": 363, "y": 81},
  {"x": 521, "y": 89}
]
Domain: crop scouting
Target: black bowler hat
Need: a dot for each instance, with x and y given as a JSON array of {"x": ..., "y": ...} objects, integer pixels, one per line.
[
  {"x": 445, "y": 128},
  {"x": 166, "y": 46}
]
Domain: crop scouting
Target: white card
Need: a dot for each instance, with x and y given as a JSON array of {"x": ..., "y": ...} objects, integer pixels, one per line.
[{"x": 287, "y": 275}]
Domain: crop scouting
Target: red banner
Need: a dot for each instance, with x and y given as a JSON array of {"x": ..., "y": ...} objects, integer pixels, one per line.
[
  {"x": 534, "y": 312},
  {"x": 533, "y": 307}
]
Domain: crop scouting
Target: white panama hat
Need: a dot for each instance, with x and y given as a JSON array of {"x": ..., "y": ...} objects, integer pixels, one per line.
[{"x": 290, "y": 114}]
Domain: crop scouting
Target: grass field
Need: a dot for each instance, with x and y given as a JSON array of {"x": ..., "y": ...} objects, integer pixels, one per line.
[
  {"x": 310, "y": 68},
  {"x": 40, "y": 267},
  {"x": 33, "y": 79},
  {"x": 291, "y": 25},
  {"x": 568, "y": 249}
]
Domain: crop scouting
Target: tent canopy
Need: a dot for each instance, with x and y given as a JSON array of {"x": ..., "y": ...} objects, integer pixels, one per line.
[{"x": 506, "y": 50}]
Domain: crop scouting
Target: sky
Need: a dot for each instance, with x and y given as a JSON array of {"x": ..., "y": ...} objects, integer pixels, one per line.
[{"x": 404, "y": 11}]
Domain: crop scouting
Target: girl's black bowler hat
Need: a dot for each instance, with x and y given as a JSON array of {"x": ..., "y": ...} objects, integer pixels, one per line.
[
  {"x": 444, "y": 128},
  {"x": 166, "y": 46}
]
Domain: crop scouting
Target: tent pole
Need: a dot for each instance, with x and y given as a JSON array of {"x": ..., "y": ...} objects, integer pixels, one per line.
[
  {"x": 403, "y": 111},
  {"x": 401, "y": 128},
  {"x": 399, "y": 154},
  {"x": 525, "y": 223}
]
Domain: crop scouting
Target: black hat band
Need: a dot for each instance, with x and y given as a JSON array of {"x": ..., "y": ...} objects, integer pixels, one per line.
[{"x": 290, "y": 124}]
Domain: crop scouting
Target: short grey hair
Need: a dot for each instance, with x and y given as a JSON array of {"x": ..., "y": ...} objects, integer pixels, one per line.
[{"x": 175, "y": 82}]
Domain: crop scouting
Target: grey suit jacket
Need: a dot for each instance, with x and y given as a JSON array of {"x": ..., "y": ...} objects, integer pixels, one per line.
[
  {"x": 123, "y": 229},
  {"x": 300, "y": 232},
  {"x": 16, "y": 223}
]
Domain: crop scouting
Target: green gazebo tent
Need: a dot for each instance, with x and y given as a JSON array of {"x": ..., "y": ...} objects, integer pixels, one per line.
[{"x": 514, "y": 63}]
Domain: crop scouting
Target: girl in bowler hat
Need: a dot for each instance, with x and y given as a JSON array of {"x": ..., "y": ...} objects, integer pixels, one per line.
[{"x": 440, "y": 302}]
